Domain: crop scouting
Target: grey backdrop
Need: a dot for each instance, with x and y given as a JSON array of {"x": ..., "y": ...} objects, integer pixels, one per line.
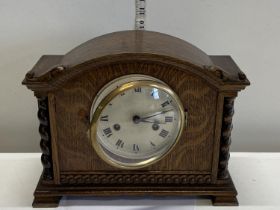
[{"x": 249, "y": 30}]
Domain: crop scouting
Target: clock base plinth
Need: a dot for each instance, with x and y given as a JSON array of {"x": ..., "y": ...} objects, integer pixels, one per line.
[
  {"x": 224, "y": 201},
  {"x": 46, "y": 201},
  {"x": 49, "y": 195}
]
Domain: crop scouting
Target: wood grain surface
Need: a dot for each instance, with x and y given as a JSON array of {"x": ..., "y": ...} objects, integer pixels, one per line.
[{"x": 74, "y": 100}]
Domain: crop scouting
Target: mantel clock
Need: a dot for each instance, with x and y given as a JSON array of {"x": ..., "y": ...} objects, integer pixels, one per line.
[{"x": 135, "y": 113}]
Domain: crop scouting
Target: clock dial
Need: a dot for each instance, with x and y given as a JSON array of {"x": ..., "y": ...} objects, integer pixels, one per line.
[{"x": 137, "y": 123}]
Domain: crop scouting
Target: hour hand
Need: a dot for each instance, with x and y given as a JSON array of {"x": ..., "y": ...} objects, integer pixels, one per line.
[{"x": 154, "y": 122}]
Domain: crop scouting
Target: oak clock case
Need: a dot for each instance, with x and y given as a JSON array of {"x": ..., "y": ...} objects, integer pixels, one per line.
[{"x": 135, "y": 113}]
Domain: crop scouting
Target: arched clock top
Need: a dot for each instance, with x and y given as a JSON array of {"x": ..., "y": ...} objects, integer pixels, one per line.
[
  {"x": 53, "y": 71},
  {"x": 136, "y": 42}
]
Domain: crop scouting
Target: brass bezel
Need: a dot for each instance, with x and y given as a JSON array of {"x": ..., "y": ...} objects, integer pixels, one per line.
[{"x": 113, "y": 94}]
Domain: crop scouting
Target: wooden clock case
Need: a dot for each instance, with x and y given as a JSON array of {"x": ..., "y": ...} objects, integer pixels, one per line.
[{"x": 65, "y": 87}]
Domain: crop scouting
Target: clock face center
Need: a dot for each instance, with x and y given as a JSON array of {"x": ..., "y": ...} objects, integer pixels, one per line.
[{"x": 136, "y": 119}]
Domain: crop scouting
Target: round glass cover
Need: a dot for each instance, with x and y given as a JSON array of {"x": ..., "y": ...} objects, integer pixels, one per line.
[{"x": 135, "y": 123}]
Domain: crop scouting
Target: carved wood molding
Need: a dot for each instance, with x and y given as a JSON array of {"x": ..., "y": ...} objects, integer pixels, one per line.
[
  {"x": 219, "y": 73},
  {"x": 103, "y": 179},
  {"x": 45, "y": 143},
  {"x": 59, "y": 74},
  {"x": 225, "y": 138}
]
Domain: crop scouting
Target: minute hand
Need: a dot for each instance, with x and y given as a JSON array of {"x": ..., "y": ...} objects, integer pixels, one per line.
[{"x": 156, "y": 113}]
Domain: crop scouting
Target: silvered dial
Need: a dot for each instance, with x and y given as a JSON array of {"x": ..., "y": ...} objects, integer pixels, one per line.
[{"x": 136, "y": 123}]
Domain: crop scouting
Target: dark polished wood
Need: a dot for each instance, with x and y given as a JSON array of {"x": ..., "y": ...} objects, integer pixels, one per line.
[
  {"x": 224, "y": 201},
  {"x": 45, "y": 143},
  {"x": 67, "y": 85},
  {"x": 46, "y": 201},
  {"x": 221, "y": 194},
  {"x": 225, "y": 138}
]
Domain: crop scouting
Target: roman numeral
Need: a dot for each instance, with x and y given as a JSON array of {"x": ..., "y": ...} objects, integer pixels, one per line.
[
  {"x": 104, "y": 118},
  {"x": 138, "y": 90},
  {"x": 166, "y": 103},
  {"x": 152, "y": 143},
  {"x": 135, "y": 148},
  {"x": 107, "y": 132},
  {"x": 122, "y": 94},
  {"x": 168, "y": 119},
  {"x": 163, "y": 133},
  {"x": 119, "y": 143}
]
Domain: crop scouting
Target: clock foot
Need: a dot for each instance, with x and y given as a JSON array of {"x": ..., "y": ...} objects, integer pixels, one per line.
[
  {"x": 224, "y": 201},
  {"x": 46, "y": 201}
]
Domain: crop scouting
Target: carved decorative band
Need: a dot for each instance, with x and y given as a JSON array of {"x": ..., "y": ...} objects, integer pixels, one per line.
[
  {"x": 45, "y": 144},
  {"x": 80, "y": 179},
  {"x": 226, "y": 138}
]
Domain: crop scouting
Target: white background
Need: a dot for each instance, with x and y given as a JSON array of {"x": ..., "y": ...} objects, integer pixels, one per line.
[{"x": 249, "y": 30}]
